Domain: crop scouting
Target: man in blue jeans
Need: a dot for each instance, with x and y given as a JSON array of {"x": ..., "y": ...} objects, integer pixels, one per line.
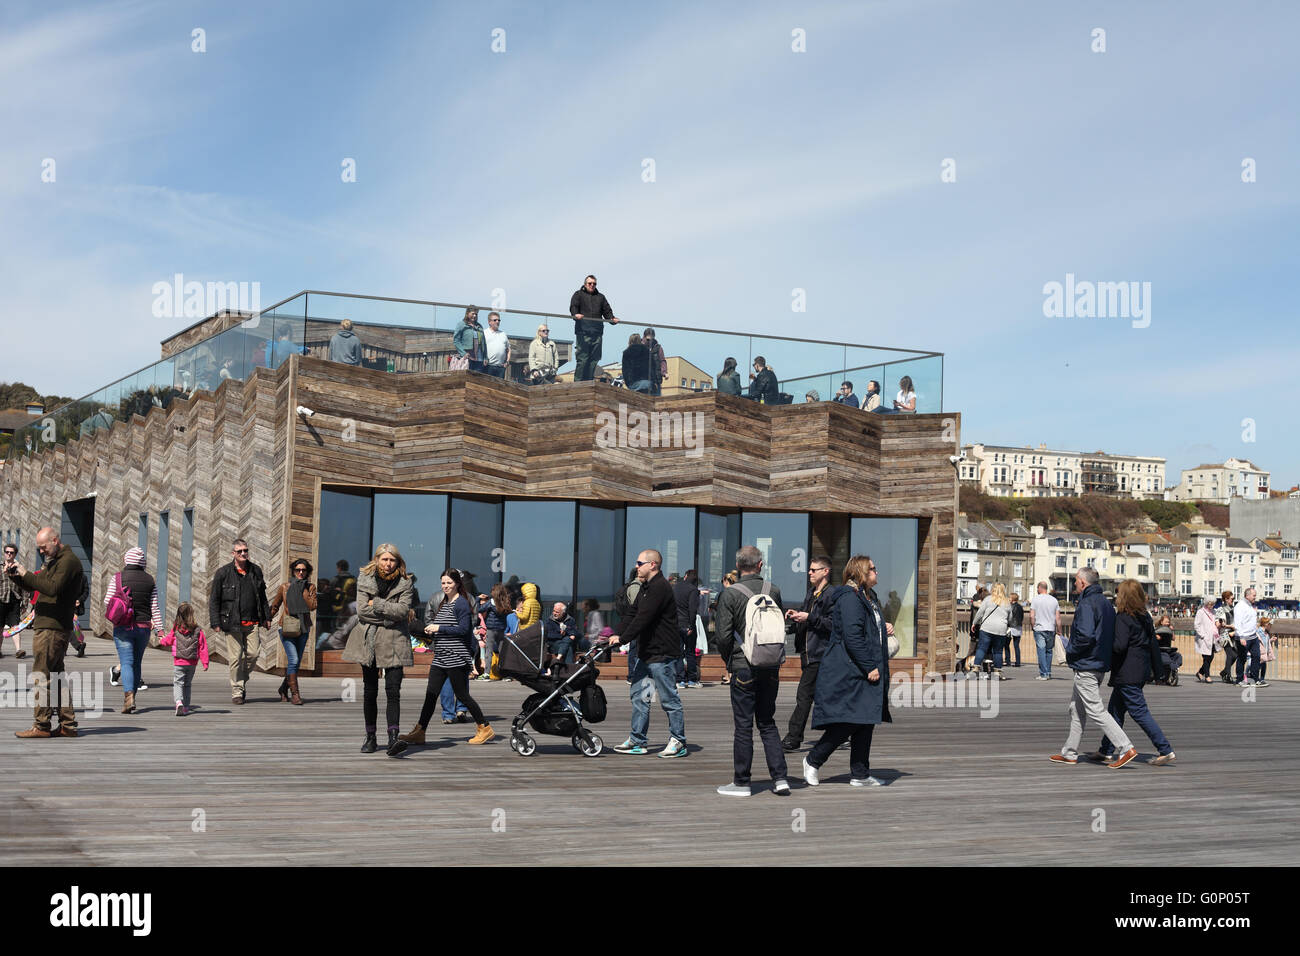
[
  {"x": 1045, "y": 619},
  {"x": 654, "y": 629}
]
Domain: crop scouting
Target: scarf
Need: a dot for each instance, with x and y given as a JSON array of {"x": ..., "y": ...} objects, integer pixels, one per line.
[{"x": 294, "y": 602}]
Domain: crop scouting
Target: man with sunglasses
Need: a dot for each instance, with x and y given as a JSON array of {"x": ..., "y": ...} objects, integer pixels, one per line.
[
  {"x": 590, "y": 309},
  {"x": 658, "y": 646},
  {"x": 812, "y": 630},
  {"x": 14, "y": 600},
  {"x": 238, "y": 607}
]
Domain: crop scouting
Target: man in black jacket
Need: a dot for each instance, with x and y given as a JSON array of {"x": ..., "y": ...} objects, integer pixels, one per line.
[
  {"x": 237, "y": 605},
  {"x": 687, "y": 594},
  {"x": 654, "y": 627},
  {"x": 763, "y": 386},
  {"x": 589, "y": 309},
  {"x": 812, "y": 629}
]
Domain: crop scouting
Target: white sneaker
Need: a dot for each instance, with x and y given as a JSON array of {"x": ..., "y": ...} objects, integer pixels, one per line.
[
  {"x": 781, "y": 788},
  {"x": 867, "y": 782},
  {"x": 732, "y": 790},
  {"x": 675, "y": 748},
  {"x": 809, "y": 773}
]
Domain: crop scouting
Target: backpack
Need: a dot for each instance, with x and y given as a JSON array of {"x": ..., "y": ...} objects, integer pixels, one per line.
[
  {"x": 763, "y": 640},
  {"x": 121, "y": 612},
  {"x": 187, "y": 645},
  {"x": 593, "y": 704},
  {"x": 625, "y": 599}
]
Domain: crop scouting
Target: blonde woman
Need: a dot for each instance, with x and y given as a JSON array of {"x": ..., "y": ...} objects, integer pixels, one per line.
[
  {"x": 993, "y": 620},
  {"x": 543, "y": 358},
  {"x": 380, "y": 640}
]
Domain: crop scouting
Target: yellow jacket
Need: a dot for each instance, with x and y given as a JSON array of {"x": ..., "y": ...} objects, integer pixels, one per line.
[{"x": 530, "y": 611}]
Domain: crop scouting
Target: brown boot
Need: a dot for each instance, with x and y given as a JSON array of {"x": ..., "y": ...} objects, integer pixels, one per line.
[
  {"x": 293, "y": 689},
  {"x": 284, "y": 689},
  {"x": 485, "y": 733},
  {"x": 416, "y": 736},
  {"x": 128, "y": 707},
  {"x": 31, "y": 734}
]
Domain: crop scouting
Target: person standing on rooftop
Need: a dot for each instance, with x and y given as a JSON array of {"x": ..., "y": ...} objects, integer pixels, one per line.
[
  {"x": 469, "y": 340},
  {"x": 729, "y": 378},
  {"x": 590, "y": 309},
  {"x": 345, "y": 347},
  {"x": 498, "y": 347},
  {"x": 762, "y": 383}
]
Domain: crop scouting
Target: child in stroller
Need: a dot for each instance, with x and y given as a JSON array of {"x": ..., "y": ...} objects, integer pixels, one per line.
[
  {"x": 564, "y": 695},
  {"x": 1169, "y": 654}
]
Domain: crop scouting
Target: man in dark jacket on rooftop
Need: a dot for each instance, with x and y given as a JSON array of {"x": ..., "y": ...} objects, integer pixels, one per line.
[
  {"x": 1088, "y": 654},
  {"x": 654, "y": 629},
  {"x": 590, "y": 309}
]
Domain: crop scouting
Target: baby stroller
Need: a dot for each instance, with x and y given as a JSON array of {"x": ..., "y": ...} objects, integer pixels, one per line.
[
  {"x": 1172, "y": 661},
  {"x": 562, "y": 698}
]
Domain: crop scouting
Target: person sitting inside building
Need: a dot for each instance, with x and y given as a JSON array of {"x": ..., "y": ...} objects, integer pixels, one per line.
[{"x": 561, "y": 635}]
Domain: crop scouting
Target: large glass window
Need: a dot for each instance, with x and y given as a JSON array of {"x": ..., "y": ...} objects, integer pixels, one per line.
[
  {"x": 142, "y": 534},
  {"x": 187, "y": 556},
  {"x": 164, "y": 547},
  {"x": 719, "y": 537},
  {"x": 538, "y": 547},
  {"x": 417, "y": 524},
  {"x": 344, "y": 531},
  {"x": 783, "y": 541},
  {"x": 670, "y": 531},
  {"x": 476, "y": 540},
  {"x": 600, "y": 553},
  {"x": 892, "y": 544}
]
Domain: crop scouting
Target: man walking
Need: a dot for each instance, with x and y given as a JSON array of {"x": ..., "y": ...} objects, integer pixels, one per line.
[
  {"x": 589, "y": 309},
  {"x": 238, "y": 607},
  {"x": 812, "y": 629},
  {"x": 14, "y": 601},
  {"x": 1045, "y": 619},
  {"x": 1231, "y": 650},
  {"x": 654, "y": 629},
  {"x": 753, "y": 689},
  {"x": 60, "y": 586},
  {"x": 498, "y": 347},
  {"x": 1088, "y": 652},
  {"x": 1247, "y": 623}
]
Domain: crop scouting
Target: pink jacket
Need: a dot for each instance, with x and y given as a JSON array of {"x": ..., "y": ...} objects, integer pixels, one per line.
[
  {"x": 169, "y": 640},
  {"x": 1207, "y": 632}
]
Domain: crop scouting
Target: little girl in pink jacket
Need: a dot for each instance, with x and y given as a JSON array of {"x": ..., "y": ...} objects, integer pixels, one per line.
[{"x": 189, "y": 647}]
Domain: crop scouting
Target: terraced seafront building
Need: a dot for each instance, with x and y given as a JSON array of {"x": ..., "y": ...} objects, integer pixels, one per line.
[{"x": 245, "y": 429}]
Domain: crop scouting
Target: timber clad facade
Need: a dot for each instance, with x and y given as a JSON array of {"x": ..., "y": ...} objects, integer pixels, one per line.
[{"x": 249, "y": 465}]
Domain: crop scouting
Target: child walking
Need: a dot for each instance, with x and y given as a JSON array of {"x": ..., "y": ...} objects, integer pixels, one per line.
[{"x": 189, "y": 647}]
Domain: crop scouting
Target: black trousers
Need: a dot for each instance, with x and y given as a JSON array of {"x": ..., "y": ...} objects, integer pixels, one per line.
[
  {"x": 803, "y": 700},
  {"x": 370, "y": 697},
  {"x": 459, "y": 677},
  {"x": 1205, "y": 665},
  {"x": 753, "y": 701},
  {"x": 1231, "y": 650},
  {"x": 859, "y": 737},
  {"x": 587, "y": 353},
  {"x": 691, "y": 661}
]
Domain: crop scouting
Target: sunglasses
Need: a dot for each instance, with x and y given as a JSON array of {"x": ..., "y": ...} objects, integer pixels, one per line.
[
  {"x": 639, "y": 563},
  {"x": 244, "y": 551},
  {"x": 299, "y": 570}
]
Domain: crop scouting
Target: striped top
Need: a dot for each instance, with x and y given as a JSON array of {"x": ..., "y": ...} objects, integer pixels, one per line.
[
  {"x": 155, "y": 612},
  {"x": 449, "y": 651}
]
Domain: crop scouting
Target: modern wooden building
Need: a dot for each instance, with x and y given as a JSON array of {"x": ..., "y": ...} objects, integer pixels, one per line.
[{"x": 560, "y": 485}]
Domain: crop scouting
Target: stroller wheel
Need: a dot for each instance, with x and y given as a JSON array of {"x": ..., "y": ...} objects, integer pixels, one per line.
[
  {"x": 1173, "y": 678},
  {"x": 576, "y": 740},
  {"x": 525, "y": 745},
  {"x": 590, "y": 744},
  {"x": 514, "y": 743}
]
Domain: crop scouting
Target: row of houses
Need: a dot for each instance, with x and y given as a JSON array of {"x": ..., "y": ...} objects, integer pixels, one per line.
[{"x": 1183, "y": 564}]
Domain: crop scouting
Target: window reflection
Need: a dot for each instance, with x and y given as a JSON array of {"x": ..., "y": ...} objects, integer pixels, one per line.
[
  {"x": 417, "y": 524},
  {"x": 719, "y": 537},
  {"x": 891, "y": 543},
  {"x": 670, "y": 531},
  {"x": 475, "y": 538},
  {"x": 783, "y": 541},
  {"x": 538, "y": 547},
  {"x": 600, "y": 553}
]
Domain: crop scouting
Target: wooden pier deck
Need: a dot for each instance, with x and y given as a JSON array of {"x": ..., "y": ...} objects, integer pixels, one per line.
[{"x": 280, "y": 785}]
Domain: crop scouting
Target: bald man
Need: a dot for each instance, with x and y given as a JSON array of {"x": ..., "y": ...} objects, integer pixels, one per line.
[{"x": 60, "y": 585}]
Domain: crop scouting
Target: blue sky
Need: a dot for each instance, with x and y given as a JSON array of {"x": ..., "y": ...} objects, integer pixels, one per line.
[{"x": 775, "y": 170}]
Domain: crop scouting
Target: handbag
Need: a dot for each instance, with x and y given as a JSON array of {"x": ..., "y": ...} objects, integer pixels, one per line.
[
  {"x": 291, "y": 625},
  {"x": 701, "y": 637},
  {"x": 459, "y": 364},
  {"x": 1058, "y": 652}
]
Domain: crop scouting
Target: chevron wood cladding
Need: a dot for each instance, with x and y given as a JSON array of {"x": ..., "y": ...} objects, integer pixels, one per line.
[{"x": 250, "y": 466}]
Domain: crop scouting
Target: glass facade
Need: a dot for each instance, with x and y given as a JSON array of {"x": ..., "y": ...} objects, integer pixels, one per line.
[
  {"x": 893, "y": 547},
  {"x": 187, "y": 556},
  {"x": 164, "y": 553},
  {"x": 534, "y": 540}
]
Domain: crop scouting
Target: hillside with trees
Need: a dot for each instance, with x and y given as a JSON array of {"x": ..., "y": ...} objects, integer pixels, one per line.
[
  {"x": 1110, "y": 518},
  {"x": 17, "y": 395}
]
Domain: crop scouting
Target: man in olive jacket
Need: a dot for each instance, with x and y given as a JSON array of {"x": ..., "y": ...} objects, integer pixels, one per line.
[
  {"x": 60, "y": 584},
  {"x": 237, "y": 606}
]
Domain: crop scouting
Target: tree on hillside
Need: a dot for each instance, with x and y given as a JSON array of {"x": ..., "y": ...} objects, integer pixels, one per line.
[{"x": 16, "y": 395}]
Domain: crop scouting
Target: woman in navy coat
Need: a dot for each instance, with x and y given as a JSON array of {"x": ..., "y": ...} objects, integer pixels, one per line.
[{"x": 852, "y": 693}]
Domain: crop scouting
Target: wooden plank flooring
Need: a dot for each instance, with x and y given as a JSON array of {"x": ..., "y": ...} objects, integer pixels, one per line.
[{"x": 285, "y": 785}]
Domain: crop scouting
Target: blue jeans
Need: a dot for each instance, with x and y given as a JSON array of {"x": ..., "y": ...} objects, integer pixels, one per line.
[
  {"x": 450, "y": 705},
  {"x": 1129, "y": 698},
  {"x": 645, "y": 679},
  {"x": 293, "y": 648},
  {"x": 1045, "y": 641},
  {"x": 998, "y": 641},
  {"x": 131, "y": 642}
]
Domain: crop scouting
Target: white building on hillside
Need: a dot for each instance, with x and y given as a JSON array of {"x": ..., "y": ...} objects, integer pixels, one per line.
[
  {"x": 1023, "y": 472},
  {"x": 1235, "y": 478}
]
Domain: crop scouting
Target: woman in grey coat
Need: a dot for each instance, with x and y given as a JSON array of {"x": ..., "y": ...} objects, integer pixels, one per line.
[{"x": 381, "y": 640}]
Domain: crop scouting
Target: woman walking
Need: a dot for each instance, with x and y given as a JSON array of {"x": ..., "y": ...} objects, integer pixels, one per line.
[
  {"x": 297, "y": 596},
  {"x": 449, "y": 618},
  {"x": 1134, "y": 656},
  {"x": 1015, "y": 626},
  {"x": 132, "y": 620},
  {"x": 1207, "y": 636},
  {"x": 993, "y": 619},
  {"x": 379, "y": 641},
  {"x": 852, "y": 693}
]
